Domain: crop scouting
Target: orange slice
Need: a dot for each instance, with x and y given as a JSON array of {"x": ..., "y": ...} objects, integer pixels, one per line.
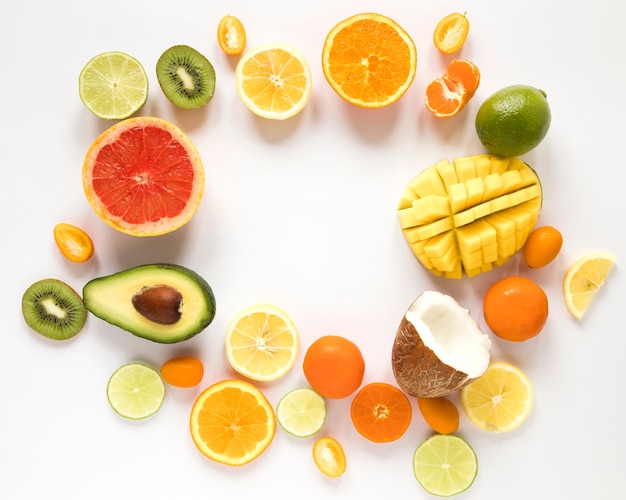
[
  {"x": 143, "y": 176},
  {"x": 369, "y": 60},
  {"x": 232, "y": 422},
  {"x": 273, "y": 81},
  {"x": 451, "y": 32},
  {"x": 381, "y": 412},
  {"x": 447, "y": 95}
]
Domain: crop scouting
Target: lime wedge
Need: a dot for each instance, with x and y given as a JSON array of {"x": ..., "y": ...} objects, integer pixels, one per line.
[
  {"x": 301, "y": 412},
  {"x": 135, "y": 391},
  {"x": 445, "y": 465},
  {"x": 113, "y": 85}
]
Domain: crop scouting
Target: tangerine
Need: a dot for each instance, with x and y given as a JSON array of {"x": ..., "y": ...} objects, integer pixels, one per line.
[
  {"x": 381, "y": 412},
  {"x": 334, "y": 366},
  {"x": 143, "y": 176},
  {"x": 515, "y": 308},
  {"x": 447, "y": 95},
  {"x": 542, "y": 246}
]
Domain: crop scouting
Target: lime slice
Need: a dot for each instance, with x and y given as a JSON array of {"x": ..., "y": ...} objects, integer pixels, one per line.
[
  {"x": 301, "y": 412},
  {"x": 135, "y": 391},
  {"x": 113, "y": 85},
  {"x": 445, "y": 465}
]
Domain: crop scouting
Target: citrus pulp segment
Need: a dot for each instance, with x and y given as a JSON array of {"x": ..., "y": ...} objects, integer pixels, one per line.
[
  {"x": 445, "y": 465},
  {"x": 447, "y": 95},
  {"x": 329, "y": 456},
  {"x": 301, "y": 412},
  {"x": 135, "y": 391},
  {"x": 381, "y": 412},
  {"x": 500, "y": 400},
  {"x": 143, "y": 176},
  {"x": 584, "y": 279},
  {"x": 262, "y": 342},
  {"x": 113, "y": 85},
  {"x": 232, "y": 422},
  {"x": 273, "y": 81},
  {"x": 369, "y": 60}
]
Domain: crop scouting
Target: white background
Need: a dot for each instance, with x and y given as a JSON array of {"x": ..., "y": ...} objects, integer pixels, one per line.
[{"x": 302, "y": 214}]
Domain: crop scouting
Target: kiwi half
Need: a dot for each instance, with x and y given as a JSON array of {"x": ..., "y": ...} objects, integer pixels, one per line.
[
  {"x": 186, "y": 77},
  {"x": 53, "y": 309}
]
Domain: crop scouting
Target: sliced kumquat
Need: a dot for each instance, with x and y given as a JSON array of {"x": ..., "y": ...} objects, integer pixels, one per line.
[
  {"x": 231, "y": 35},
  {"x": 73, "y": 243},
  {"x": 451, "y": 32},
  {"x": 329, "y": 456}
]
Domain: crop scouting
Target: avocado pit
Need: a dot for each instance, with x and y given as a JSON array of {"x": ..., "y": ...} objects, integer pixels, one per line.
[{"x": 159, "y": 303}]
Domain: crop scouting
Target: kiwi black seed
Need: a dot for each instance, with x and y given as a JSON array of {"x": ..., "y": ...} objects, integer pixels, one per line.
[
  {"x": 53, "y": 309},
  {"x": 186, "y": 77}
]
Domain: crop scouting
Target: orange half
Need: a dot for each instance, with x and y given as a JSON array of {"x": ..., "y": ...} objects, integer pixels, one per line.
[{"x": 369, "y": 60}]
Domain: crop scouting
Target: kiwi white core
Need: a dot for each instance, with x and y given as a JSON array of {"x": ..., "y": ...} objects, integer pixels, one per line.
[
  {"x": 185, "y": 78},
  {"x": 448, "y": 329}
]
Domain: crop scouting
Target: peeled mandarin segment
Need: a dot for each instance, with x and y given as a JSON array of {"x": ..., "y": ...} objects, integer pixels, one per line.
[
  {"x": 584, "y": 279},
  {"x": 490, "y": 207}
]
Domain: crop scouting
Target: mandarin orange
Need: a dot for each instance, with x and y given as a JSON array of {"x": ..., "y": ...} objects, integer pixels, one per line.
[
  {"x": 381, "y": 412},
  {"x": 515, "y": 308},
  {"x": 334, "y": 366}
]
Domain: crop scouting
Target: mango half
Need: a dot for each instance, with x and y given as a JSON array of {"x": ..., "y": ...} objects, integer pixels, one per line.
[{"x": 466, "y": 216}]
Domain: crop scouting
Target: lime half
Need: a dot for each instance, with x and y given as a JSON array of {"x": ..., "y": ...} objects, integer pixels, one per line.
[
  {"x": 113, "y": 85},
  {"x": 301, "y": 412},
  {"x": 445, "y": 465},
  {"x": 135, "y": 391}
]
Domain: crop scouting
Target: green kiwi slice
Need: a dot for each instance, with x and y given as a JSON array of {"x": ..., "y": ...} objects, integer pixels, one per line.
[
  {"x": 186, "y": 77},
  {"x": 53, "y": 309}
]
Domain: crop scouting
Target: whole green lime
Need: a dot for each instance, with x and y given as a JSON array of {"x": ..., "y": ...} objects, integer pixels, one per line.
[{"x": 513, "y": 120}]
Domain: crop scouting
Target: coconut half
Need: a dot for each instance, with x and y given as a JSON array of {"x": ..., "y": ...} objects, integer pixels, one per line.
[{"x": 438, "y": 348}]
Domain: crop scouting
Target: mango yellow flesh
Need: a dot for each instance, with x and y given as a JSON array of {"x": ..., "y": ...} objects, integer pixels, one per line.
[{"x": 468, "y": 215}]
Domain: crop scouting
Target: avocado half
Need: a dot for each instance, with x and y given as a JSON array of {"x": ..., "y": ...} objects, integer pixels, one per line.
[{"x": 133, "y": 300}]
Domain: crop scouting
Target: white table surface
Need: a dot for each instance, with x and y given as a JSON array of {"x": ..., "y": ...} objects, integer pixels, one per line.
[{"x": 302, "y": 214}]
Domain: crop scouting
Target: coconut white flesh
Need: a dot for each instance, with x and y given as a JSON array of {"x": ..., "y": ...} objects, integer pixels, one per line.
[{"x": 449, "y": 330}]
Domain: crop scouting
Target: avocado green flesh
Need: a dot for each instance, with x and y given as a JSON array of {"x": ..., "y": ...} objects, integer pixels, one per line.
[{"x": 110, "y": 299}]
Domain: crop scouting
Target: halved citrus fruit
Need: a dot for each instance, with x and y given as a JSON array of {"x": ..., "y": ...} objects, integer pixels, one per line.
[
  {"x": 445, "y": 465},
  {"x": 301, "y": 412},
  {"x": 273, "y": 81},
  {"x": 447, "y": 95},
  {"x": 381, "y": 412},
  {"x": 232, "y": 422},
  {"x": 231, "y": 35},
  {"x": 262, "y": 342},
  {"x": 329, "y": 456},
  {"x": 500, "y": 400},
  {"x": 113, "y": 85},
  {"x": 135, "y": 391},
  {"x": 451, "y": 32},
  {"x": 73, "y": 242},
  {"x": 143, "y": 176},
  {"x": 369, "y": 60},
  {"x": 584, "y": 279}
]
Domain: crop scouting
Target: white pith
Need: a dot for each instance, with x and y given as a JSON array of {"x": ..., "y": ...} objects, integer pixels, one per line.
[{"x": 448, "y": 329}]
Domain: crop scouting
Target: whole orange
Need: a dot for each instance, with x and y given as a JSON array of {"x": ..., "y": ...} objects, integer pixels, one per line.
[
  {"x": 515, "y": 308},
  {"x": 334, "y": 366},
  {"x": 542, "y": 246}
]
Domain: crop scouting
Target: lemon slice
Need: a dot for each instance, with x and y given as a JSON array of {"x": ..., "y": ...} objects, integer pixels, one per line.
[
  {"x": 135, "y": 391},
  {"x": 262, "y": 342},
  {"x": 583, "y": 280},
  {"x": 273, "y": 81},
  {"x": 500, "y": 399},
  {"x": 113, "y": 85},
  {"x": 301, "y": 412},
  {"x": 445, "y": 465}
]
